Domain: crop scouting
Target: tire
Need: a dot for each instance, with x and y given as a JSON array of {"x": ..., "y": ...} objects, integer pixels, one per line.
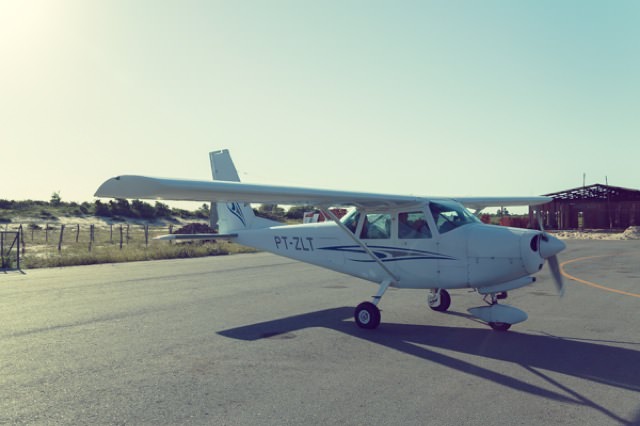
[
  {"x": 500, "y": 326},
  {"x": 445, "y": 302},
  {"x": 367, "y": 315}
]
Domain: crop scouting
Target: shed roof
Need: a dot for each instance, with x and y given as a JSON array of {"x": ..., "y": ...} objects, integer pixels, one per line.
[{"x": 597, "y": 192}]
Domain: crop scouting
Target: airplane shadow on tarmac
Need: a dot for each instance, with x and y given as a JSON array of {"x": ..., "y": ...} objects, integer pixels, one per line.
[{"x": 609, "y": 365}]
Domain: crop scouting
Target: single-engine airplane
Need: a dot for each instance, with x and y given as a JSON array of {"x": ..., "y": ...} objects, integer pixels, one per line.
[{"x": 397, "y": 241}]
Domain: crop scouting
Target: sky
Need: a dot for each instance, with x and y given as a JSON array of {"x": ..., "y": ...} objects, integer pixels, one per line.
[{"x": 442, "y": 98}]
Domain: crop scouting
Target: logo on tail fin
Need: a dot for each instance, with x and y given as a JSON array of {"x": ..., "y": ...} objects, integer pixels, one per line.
[{"x": 237, "y": 212}]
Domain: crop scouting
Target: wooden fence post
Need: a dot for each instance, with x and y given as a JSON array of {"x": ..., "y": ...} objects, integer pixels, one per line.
[
  {"x": 146, "y": 235},
  {"x": 90, "y": 237},
  {"x": 21, "y": 238},
  {"x": 120, "y": 236},
  {"x": 46, "y": 233},
  {"x": 77, "y": 233},
  {"x": 61, "y": 236}
]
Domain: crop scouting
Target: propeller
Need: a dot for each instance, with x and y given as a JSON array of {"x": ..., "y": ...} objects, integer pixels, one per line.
[
  {"x": 550, "y": 246},
  {"x": 557, "y": 276}
]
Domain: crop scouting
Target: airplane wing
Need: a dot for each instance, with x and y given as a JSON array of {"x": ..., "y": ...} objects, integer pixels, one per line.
[
  {"x": 191, "y": 190},
  {"x": 141, "y": 187}
]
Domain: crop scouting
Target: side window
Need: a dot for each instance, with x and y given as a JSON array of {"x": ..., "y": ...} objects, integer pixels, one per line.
[
  {"x": 376, "y": 226},
  {"x": 413, "y": 225},
  {"x": 351, "y": 221}
]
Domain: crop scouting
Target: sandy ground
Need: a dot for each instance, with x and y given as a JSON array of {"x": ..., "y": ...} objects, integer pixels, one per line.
[
  {"x": 631, "y": 233},
  {"x": 92, "y": 220}
]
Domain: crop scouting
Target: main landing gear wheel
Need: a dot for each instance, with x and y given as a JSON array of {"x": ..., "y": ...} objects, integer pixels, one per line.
[
  {"x": 500, "y": 326},
  {"x": 367, "y": 315},
  {"x": 440, "y": 304}
]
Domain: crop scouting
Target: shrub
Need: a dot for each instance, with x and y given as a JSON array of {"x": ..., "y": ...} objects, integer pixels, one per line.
[
  {"x": 47, "y": 215},
  {"x": 102, "y": 209}
]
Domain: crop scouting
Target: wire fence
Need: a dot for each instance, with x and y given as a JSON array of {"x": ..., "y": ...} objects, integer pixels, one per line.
[
  {"x": 64, "y": 236},
  {"x": 9, "y": 250},
  {"x": 43, "y": 245}
]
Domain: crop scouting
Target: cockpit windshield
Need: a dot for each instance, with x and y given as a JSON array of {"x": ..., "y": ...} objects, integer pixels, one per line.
[{"x": 449, "y": 215}]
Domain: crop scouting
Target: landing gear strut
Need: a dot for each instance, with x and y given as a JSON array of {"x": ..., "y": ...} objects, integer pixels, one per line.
[{"x": 491, "y": 300}]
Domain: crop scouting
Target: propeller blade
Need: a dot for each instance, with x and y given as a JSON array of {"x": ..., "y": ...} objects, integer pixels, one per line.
[
  {"x": 557, "y": 275},
  {"x": 543, "y": 234}
]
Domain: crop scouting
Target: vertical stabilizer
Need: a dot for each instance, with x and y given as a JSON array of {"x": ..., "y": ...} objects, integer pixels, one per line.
[
  {"x": 232, "y": 216},
  {"x": 222, "y": 167}
]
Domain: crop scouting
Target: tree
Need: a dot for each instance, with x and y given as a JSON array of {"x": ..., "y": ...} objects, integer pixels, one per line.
[
  {"x": 120, "y": 207},
  {"x": 270, "y": 211},
  {"x": 203, "y": 212},
  {"x": 56, "y": 200},
  {"x": 162, "y": 210},
  {"x": 143, "y": 210},
  {"x": 297, "y": 212},
  {"x": 102, "y": 209}
]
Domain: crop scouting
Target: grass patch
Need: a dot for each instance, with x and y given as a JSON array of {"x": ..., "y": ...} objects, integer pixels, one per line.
[{"x": 73, "y": 256}]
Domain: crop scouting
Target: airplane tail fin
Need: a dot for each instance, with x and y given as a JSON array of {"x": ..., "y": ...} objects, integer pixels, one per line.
[{"x": 232, "y": 216}]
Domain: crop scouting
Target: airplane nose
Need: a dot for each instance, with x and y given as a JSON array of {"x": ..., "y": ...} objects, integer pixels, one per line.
[{"x": 550, "y": 246}]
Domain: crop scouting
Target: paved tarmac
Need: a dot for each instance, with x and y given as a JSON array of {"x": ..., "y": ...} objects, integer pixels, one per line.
[{"x": 261, "y": 340}]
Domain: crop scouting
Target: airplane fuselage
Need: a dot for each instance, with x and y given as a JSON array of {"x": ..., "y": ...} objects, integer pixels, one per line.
[{"x": 474, "y": 255}]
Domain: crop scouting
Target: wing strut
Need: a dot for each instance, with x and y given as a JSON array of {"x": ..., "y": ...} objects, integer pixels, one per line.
[{"x": 358, "y": 241}]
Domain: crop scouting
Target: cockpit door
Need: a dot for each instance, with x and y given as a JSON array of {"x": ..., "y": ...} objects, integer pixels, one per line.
[
  {"x": 449, "y": 220},
  {"x": 415, "y": 257}
]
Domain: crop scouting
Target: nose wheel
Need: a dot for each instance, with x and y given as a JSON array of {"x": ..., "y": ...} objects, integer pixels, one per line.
[
  {"x": 500, "y": 326},
  {"x": 439, "y": 300}
]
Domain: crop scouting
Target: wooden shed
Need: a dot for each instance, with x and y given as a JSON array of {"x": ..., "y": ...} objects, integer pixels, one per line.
[{"x": 591, "y": 207}]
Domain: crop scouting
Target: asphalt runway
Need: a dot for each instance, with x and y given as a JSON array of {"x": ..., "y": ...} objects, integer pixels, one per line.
[{"x": 260, "y": 340}]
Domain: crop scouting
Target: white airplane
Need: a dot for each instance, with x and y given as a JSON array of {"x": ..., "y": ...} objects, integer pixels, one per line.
[{"x": 393, "y": 240}]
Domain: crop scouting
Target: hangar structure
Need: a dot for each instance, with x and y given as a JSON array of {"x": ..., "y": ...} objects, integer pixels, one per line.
[{"x": 592, "y": 207}]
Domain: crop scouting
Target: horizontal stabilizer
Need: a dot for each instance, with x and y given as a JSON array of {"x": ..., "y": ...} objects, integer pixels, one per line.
[{"x": 173, "y": 237}]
